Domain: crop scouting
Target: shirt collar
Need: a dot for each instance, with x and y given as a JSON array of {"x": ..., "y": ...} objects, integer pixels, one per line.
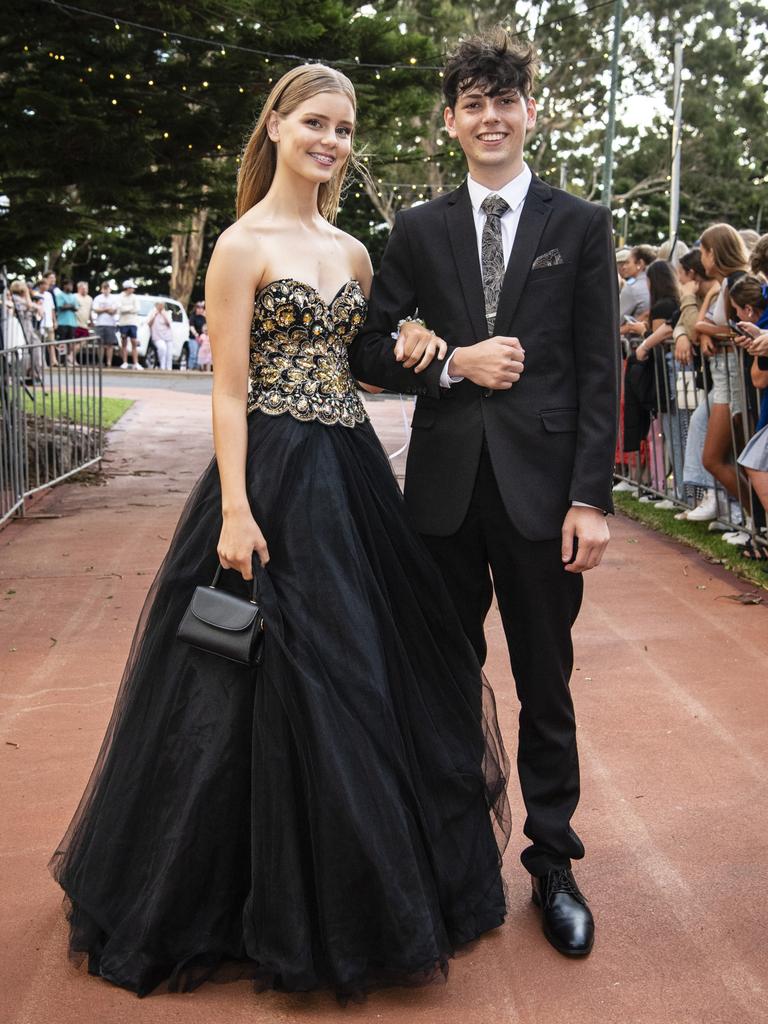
[{"x": 514, "y": 192}]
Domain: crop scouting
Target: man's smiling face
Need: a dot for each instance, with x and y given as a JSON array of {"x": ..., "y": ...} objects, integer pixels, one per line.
[{"x": 491, "y": 129}]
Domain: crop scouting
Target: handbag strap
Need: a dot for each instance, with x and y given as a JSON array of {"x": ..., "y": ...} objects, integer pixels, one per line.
[{"x": 254, "y": 586}]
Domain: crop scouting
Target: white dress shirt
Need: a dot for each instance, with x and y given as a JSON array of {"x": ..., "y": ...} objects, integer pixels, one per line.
[{"x": 514, "y": 193}]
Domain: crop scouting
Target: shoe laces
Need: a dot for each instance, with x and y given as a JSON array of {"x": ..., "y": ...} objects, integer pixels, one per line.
[{"x": 561, "y": 880}]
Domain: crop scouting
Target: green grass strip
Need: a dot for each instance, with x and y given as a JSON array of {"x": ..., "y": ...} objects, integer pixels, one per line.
[
  {"x": 77, "y": 410},
  {"x": 695, "y": 535}
]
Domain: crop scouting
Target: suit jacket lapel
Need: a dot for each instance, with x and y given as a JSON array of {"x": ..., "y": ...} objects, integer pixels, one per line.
[
  {"x": 536, "y": 210},
  {"x": 460, "y": 224}
]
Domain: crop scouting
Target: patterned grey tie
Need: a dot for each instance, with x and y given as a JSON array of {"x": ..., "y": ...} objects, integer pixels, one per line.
[{"x": 492, "y": 255}]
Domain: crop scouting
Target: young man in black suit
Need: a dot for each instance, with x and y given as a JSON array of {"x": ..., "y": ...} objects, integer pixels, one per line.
[{"x": 511, "y": 456}]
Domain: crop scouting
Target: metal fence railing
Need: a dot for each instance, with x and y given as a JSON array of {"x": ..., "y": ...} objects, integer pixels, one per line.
[
  {"x": 50, "y": 415},
  {"x": 665, "y": 416}
]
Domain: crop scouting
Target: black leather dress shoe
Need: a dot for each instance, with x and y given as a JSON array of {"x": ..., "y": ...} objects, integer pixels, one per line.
[{"x": 568, "y": 922}]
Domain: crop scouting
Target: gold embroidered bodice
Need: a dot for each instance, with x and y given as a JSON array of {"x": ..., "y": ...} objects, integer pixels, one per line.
[{"x": 298, "y": 361}]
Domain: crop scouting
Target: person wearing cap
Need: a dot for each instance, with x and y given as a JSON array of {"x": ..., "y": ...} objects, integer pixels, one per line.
[
  {"x": 622, "y": 265},
  {"x": 128, "y": 325}
]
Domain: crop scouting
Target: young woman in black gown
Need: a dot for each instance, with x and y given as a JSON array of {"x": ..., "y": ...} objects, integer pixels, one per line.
[{"x": 335, "y": 819}]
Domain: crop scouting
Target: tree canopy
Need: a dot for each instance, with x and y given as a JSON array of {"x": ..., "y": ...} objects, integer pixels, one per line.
[{"x": 123, "y": 121}]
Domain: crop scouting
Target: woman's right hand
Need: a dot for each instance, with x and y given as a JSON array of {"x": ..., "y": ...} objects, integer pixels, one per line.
[
  {"x": 683, "y": 350},
  {"x": 708, "y": 347},
  {"x": 749, "y": 328},
  {"x": 240, "y": 537}
]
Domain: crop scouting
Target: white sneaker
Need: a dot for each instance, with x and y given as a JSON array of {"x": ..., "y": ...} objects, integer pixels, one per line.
[
  {"x": 666, "y": 505},
  {"x": 123, "y": 366},
  {"x": 681, "y": 516},
  {"x": 738, "y": 539},
  {"x": 648, "y": 499},
  {"x": 705, "y": 510},
  {"x": 138, "y": 366},
  {"x": 623, "y": 485},
  {"x": 717, "y": 527}
]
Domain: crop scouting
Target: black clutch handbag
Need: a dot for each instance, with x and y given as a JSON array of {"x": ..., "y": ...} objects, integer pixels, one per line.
[{"x": 224, "y": 624}]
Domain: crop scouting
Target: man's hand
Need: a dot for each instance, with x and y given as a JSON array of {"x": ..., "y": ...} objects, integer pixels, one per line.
[
  {"x": 496, "y": 363},
  {"x": 416, "y": 346},
  {"x": 589, "y": 527}
]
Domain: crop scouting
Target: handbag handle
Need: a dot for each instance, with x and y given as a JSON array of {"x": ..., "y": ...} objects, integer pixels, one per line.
[{"x": 254, "y": 587}]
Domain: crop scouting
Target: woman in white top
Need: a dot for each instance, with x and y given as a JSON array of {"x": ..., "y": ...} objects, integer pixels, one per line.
[{"x": 161, "y": 335}]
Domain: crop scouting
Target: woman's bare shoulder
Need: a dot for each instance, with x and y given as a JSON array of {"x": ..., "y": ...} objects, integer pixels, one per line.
[
  {"x": 356, "y": 253},
  {"x": 240, "y": 248}
]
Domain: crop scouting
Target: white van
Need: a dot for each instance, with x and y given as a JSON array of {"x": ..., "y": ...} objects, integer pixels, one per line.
[{"x": 179, "y": 328}]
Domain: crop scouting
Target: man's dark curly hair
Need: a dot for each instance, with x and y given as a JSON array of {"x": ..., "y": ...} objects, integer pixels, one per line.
[{"x": 491, "y": 61}]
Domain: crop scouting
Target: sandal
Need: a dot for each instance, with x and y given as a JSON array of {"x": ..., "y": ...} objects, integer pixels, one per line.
[{"x": 756, "y": 553}]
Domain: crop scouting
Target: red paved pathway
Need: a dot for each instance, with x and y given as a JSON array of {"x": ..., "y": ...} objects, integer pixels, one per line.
[{"x": 673, "y": 712}]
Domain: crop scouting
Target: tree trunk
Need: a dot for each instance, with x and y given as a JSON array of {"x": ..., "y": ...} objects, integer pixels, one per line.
[
  {"x": 383, "y": 203},
  {"x": 186, "y": 253}
]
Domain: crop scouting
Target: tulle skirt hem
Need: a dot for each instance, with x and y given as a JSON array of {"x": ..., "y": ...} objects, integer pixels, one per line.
[{"x": 88, "y": 942}]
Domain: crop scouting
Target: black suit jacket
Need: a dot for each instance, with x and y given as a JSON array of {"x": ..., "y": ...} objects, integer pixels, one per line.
[{"x": 552, "y": 436}]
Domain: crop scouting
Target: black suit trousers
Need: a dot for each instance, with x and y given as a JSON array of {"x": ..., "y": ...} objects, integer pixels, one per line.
[{"x": 538, "y": 601}]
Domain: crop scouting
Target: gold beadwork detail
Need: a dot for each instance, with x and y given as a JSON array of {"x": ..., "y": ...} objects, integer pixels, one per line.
[{"x": 298, "y": 358}]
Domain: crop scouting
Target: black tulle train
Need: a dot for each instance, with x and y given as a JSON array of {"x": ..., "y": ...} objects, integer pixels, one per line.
[{"x": 338, "y": 819}]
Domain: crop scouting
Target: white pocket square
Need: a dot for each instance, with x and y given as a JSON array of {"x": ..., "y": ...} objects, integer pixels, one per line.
[{"x": 553, "y": 258}]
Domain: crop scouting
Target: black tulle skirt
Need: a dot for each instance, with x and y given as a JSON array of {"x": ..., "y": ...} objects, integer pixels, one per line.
[{"x": 334, "y": 819}]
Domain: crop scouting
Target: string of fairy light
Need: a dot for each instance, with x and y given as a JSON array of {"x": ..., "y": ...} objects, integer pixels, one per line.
[{"x": 406, "y": 152}]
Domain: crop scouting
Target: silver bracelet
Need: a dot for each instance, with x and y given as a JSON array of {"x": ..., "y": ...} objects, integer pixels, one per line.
[{"x": 408, "y": 320}]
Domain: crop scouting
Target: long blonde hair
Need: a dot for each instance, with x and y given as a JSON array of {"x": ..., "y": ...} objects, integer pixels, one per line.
[
  {"x": 259, "y": 158},
  {"x": 727, "y": 248}
]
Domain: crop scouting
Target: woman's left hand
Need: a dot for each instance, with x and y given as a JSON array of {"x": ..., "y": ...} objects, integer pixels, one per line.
[{"x": 416, "y": 346}]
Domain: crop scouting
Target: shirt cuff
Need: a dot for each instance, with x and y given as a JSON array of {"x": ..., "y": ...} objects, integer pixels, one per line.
[
  {"x": 445, "y": 377},
  {"x": 583, "y": 504}
]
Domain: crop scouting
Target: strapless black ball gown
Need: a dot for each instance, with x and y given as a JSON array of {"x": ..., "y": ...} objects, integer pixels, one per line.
[{"x": 335, "y": 818}]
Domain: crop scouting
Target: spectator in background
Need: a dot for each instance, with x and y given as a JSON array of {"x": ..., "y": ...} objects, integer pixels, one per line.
[
  {"x": 758, "y": 259},
  {"x": 204, "y": 356},
  {"x": 670, "y": 254},
  {"x": 48, "y": 325},
  {"x": 622, "y": 255},
  {"x": 664, "y": 298},
  {"x": 105, "y": 311},
  {"x": 749, "y": 237},
  {"x": 26, "y": 312},
  {"x": 83, "y": 313},
  {"x": 24, "y": 308},
  {"x": 723, "y": 257},
  {"x": 694, "y": 288},
  {"x": 634, "y": 300},
  {"x": 750, "y": 301},
  {"x": 161, "y": 335},
  {"x": 197, "y": 326},
  {"x": 696, "y": 292},
  {"x": 67, "y": 304},
  {"x": 128, "y": 325}
]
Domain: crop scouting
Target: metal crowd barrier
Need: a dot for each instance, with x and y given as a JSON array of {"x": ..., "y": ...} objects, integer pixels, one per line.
[
  {"x": 667, "y": 464},
  {"x": 50, "y": 417}
]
